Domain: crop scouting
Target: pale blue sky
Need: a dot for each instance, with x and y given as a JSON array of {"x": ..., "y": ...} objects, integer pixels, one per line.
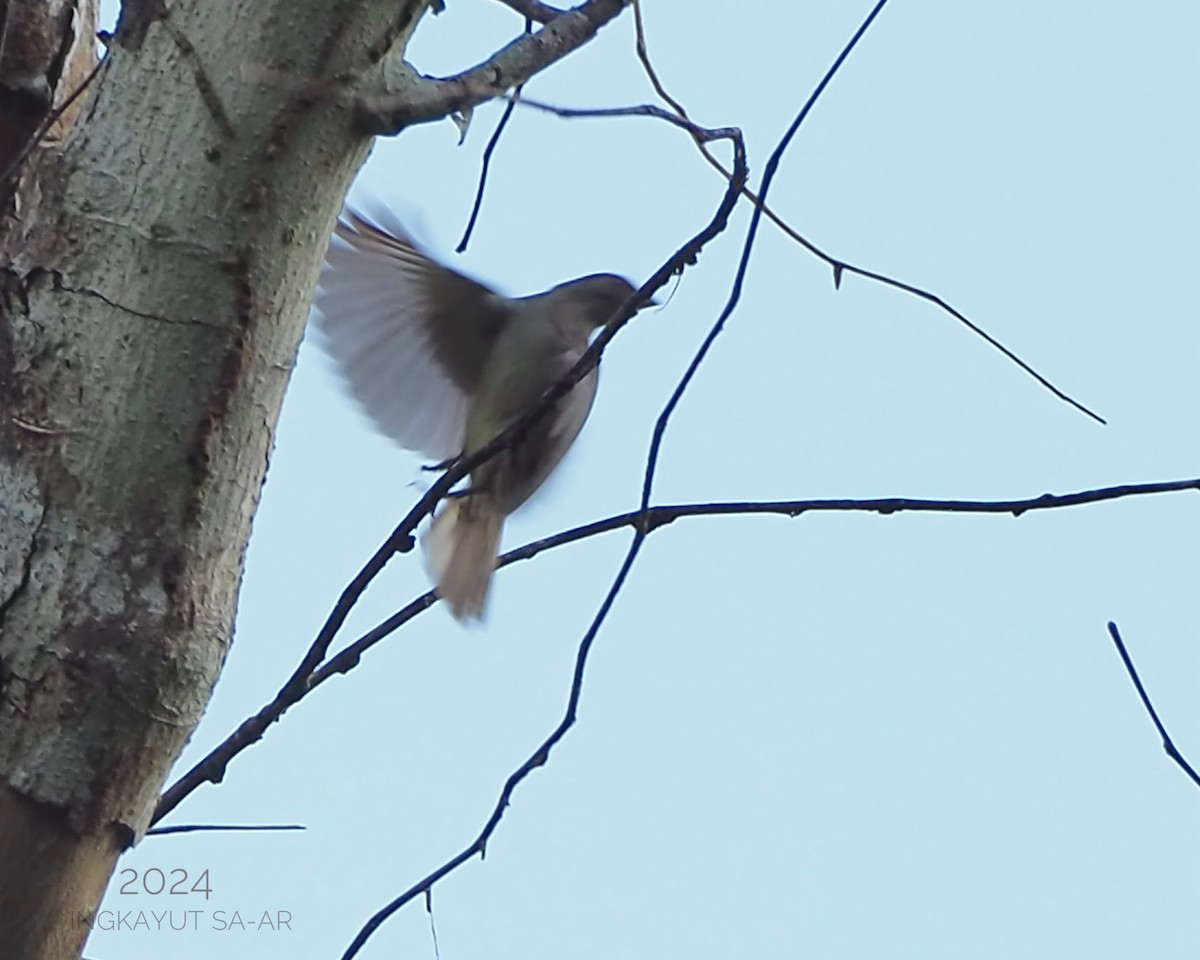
[{"x": 840, "y": 736}]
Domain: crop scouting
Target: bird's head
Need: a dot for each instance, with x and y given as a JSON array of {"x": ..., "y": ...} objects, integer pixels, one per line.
[{"x": 596, "y": 298}]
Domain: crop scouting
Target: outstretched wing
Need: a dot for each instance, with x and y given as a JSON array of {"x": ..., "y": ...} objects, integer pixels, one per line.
[{"x": 410, "y": 336}]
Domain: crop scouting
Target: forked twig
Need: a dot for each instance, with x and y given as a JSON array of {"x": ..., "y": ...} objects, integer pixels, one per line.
[
  {"x": 841, "y": 267},
  {"x": 1168, "y": 744},
  {"x": 486, "y": 165}
]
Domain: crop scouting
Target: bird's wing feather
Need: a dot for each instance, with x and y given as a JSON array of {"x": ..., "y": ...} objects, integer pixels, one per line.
[{"x": 410, "y": 335}]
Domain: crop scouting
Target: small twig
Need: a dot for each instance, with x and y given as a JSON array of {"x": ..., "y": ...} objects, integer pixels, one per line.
[
  {"x": 840, "y": 267},
  {"x": 1167, "y": 743},
  {"x": 223, "y": 828},
  {"x": 49, "y": 121},
  {"x": 651, "y": 73},
  {"x": 483, "y": 171},
  {"x": 703, "y": 134},
  {"x": 653, "y": 518},
  {"x": 437, "y": 953},
  {"x": 487, "y": 158}
]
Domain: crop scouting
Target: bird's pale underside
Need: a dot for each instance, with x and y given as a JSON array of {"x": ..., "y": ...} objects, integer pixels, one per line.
[{"x": 442, "y": 365}]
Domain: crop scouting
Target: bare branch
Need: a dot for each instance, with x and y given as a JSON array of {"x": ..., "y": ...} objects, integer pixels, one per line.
[
  {"x": 212, "y": 767},
  {"x": 840, "y": 267},
  {"x": 1168, "y": 744},
  {"x": 487, "y": 158},
  {"x": 651, "y": 73},
  {"x": 223, "y": 828},
  {"x": 703, "y": 134},
  {"x": 433, "y": 99},
  {"x": 654, "y": 518},
  {"x": 486, "y": 166}
]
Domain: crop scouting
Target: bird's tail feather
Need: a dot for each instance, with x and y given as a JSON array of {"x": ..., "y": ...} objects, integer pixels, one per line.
[{"x": 460, "y": 550}]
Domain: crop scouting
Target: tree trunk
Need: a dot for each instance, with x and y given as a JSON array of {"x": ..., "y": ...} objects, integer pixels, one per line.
[{"x": 155, "y": 271}]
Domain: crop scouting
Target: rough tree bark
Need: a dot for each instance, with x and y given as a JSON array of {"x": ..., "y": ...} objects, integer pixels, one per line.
[{"x": 156, "y": 264}]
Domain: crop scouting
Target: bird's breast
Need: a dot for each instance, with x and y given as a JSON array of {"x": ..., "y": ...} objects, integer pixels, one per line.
[{"x": 511, "y": 387}]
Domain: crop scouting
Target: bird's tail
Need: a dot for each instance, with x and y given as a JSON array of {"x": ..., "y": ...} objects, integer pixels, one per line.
[{"x": 460, "y": 550}]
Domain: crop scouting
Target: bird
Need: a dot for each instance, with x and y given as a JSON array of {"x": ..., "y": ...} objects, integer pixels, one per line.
[{"x": 443, "y": 364}]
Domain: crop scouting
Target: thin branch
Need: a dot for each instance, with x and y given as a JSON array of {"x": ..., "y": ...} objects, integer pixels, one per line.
[
  {"x": 662, "y": 515},
  {"x": 437, "y": 953},
  {"x": 211, "y": 769},
  {"x": 840, "y": 267},
  {"x": 656, "y": 517},
  {"x": 653, "y": 518},
  {"x": 542, "y": 753},
  {"x": 487, "y": 158},
  {"x": 223, "y": 828},
  {"x": 486, "y": 165},
  {"x": 535, "y": 760},
  {"x": 1168, "y": 744},
  {"x": 432, "y": 98},
  {"x": 703, "y": 134},
  {"x": 639, "y": 30}
]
